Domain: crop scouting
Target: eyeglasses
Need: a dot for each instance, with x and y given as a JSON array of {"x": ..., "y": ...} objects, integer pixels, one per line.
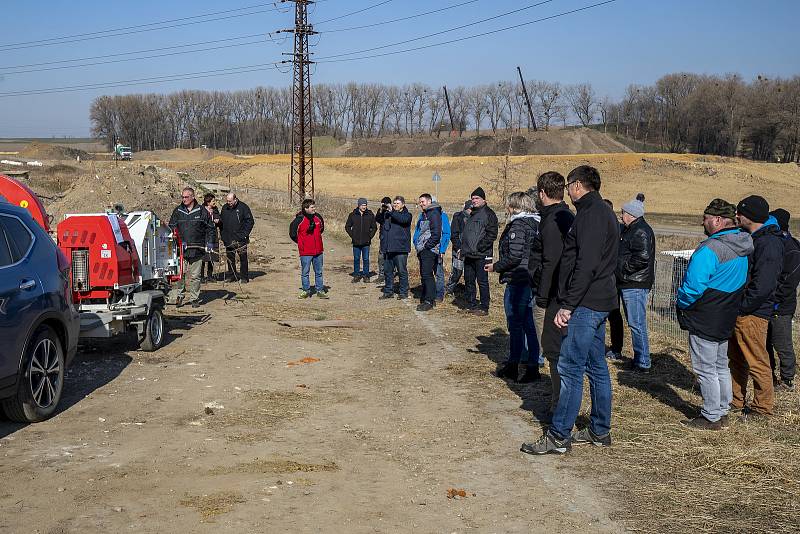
[
  {"x": 569, "y": 184},
  {"x": 186, "y": 196}
]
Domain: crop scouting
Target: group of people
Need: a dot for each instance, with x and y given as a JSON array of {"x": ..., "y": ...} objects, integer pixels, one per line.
[{"x": 200, "y": 228}]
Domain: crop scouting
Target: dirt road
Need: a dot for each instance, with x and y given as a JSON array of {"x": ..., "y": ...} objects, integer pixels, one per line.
[{"x": 242, "y": 425}]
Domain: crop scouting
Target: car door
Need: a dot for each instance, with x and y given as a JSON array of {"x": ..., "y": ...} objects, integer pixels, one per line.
[{"x": 20, "y": 293}]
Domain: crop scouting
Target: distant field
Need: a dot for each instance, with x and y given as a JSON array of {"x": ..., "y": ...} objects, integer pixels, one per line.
[{"x": 82, "y": 143}]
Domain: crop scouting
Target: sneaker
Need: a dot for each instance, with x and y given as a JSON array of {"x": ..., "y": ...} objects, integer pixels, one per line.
[
  {"x": 507, "y": 371},
  {"x": 547, "y": 444},
  {"x": 386, "y": 296},
  {"x": 365, "y": 279},
  {"x": 425, "y": 306},
  {"x": 245, "y": 281},
  {"x": 614, "y": 355},
  {"x": 195, "y": 304},
  {"x": 402, "y": 297},
  {"x": 531, "y": 374},
  {"x": 587, "y": 436},
  {"x": 632, "y": 366},
  {"x": 701, "y": 423},
  {"x": 303, "y": 294},
  {"x": 480, "y": 312},
  {"x": 784, "y": 386},
  {"x": 179, "y": 303},
  {"x": 356, "y": 279},
  {"x": 323, "y": 294}
]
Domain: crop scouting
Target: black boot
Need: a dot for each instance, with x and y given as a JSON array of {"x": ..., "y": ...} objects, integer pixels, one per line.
[
  {"x": 531, "y": 374},
  {"x": 507, "y": 370}
]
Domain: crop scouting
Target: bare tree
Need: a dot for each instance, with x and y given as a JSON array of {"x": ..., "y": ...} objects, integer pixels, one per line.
[{"x": 582, "y": 100}]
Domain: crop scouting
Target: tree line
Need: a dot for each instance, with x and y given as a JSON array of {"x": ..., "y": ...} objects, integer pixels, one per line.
[{"x": 682, "y": 112}]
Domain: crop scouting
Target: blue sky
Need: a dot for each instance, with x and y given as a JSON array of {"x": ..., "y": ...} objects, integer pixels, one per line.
[{"x": 628, "y": 41}]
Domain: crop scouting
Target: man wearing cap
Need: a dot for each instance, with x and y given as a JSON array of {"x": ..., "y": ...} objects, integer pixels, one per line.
[
  {"x": 635, "y": 275},
  {"x": 747, "y": 350},
  {"x": 477, "y": 245},
  {"x": 708, "y": 302},
  {"x": 779, "y": 334},
  {"x": 361, "y": 228},
  {"x": 457, "y": 226}
]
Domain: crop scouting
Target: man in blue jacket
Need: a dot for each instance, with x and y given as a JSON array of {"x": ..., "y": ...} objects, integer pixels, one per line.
[
  {"x": 708, "y": 303},
  {"x": 396, "y": 240},
  {"x": 443, "y": 244},
  {"x": 427, "y": 238}
]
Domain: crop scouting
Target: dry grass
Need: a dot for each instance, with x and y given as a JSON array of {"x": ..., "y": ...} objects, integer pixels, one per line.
[{"x": 214, "y": 504}]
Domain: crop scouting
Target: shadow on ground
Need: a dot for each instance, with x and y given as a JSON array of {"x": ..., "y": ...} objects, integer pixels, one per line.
[{"x": 666, "y": 374}]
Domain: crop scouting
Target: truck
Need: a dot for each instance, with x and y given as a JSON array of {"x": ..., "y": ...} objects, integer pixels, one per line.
[{"x": 122, "y": 152}]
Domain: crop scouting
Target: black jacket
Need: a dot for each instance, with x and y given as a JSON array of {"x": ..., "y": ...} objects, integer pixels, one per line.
[
  {"x": 479, "y": 233},
  {"x": 586, "y": 276},
  {"x": 515, "y": 248},
  {"x": 547, "y": 250},
  {"x": 636, "y": 264},
  {"x": 195, "y": 229},
  {"x": 766, "y": 264},
  {"x": 456, "y": 228},
  {"x": 236, "y": 223},
  {"x": 395, "y": 231},
  {"x": 361, "y": 227},
  {"x": 786, "y": 292}
]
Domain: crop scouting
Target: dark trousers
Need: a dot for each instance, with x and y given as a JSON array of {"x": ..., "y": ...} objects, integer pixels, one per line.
[
  {"x": 473, "y": 271},
  {"x": 427, "y": 271},
  {"x": 779, "y": 339},
  {"x": 617, "y": 330},
  {"x": 395, "y": 262},
  {"x": 231, "y": 253}
]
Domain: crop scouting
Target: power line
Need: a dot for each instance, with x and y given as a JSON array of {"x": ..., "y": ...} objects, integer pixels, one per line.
[
  {"x": 401, "y": 19},
  {"x": 118, "y": 33},
  {"x": 350, "y": 14},
  {"x": 460, "y": 39},
  {"x": 456, "y": 28}
]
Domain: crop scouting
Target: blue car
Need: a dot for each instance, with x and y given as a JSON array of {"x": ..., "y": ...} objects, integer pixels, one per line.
[{"x": 39, "y": 326}]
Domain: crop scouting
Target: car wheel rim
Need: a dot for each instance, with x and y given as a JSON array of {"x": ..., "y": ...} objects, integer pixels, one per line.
[
  {"x": 156, "y": 328},
  {"x": 45, "y": 373}
]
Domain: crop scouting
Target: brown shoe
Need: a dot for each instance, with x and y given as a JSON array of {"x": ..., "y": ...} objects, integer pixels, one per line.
[
  {"x": 701, "y": 423},
  {"x": 724, "y": 421}
]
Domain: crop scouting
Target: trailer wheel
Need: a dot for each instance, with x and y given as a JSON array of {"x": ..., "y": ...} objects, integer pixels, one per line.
[{"x": 153, "y": 331}]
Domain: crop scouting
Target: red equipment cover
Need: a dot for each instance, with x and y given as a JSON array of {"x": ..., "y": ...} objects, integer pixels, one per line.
[
  {"x": 113, "y": 259},
  {"x": 19, "y": 194}
]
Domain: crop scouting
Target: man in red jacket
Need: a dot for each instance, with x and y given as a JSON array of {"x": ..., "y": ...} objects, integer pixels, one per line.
[{"x": 306, "y": 230}]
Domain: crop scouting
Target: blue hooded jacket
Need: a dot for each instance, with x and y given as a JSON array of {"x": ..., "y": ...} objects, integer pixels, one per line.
[{"x": 445, "y": 240}]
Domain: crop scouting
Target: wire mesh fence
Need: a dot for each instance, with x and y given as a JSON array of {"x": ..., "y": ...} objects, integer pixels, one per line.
[{"x": 670, "y": 269}]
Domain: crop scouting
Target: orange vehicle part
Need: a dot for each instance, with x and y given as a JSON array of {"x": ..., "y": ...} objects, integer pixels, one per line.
[{"x": 19, "y": 194}]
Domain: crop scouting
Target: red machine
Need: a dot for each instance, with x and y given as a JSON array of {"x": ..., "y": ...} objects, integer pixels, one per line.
[
  {"x": 19, "y": 194},
  {"x": 102, "y": 251}
]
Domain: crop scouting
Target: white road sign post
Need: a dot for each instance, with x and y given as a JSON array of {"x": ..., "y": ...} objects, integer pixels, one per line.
[{"x": 436, "y": 180}]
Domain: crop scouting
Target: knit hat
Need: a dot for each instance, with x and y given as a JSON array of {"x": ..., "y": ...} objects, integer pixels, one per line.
[
  {"x": 479, "y": 193},
  {"x": 361, "y": 202},
  {"x": 721, "y": 208},
  {"x": 386, "y": 200},
  {"x": 782, "y": 216},
  {"x": 468, "y": 205},
  {"x": 754, "y": 208},
  {"x": 635, "y": 208}
]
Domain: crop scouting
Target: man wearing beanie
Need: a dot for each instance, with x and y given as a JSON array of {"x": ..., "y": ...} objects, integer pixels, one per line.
[
  {"x": 477, "y": 245},
  {"x": 779, "y": 334},
  {"x": 747, "y": 350},
  {"x": 361, "y": 228},
  {"x": 635, "y": 276},
  {"x": 456, "y": 228},
  {"x": 708, "y": 302}
]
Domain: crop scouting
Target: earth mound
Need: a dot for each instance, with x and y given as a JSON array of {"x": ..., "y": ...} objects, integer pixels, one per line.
[
  {"x": 47, "y": 151},
  {"x": 180, "y": 154}
]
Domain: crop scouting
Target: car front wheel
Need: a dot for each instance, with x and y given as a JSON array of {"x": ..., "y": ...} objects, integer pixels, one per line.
[{"x": 42, "y": 380}]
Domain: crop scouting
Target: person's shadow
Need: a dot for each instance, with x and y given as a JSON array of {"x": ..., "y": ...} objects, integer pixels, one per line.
[
  {"x": 666, "y": 374},
  {"x": 535, "y": 396}
]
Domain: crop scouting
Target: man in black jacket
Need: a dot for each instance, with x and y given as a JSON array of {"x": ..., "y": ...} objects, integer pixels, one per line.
[
  {"x": 548, "y": 246},
  {"x": 456, "y": 229},
  {"x": 587, "y": 292},
  {"x": 427, "y": 240},
  {"x": 635, "y": 276},
  {"x": 477, "y": 244},
  {"x": 195, "y": 228},
  {"x": 236, "y": 223},
  {"x": 747, "y": 349},
  {"x": 779, "y": 334},
  {"x": 361, "y": 228},
  {"x": 396, "y": 238},
  {"x": 386, "y": 206}
]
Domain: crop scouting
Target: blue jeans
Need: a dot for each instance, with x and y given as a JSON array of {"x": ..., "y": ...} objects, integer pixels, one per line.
[
  {"x": 583, "y": 352},
  {"x": 521, "y": 328},
  {"x": 361, "y": 258},
  {"x": 440, "y": 278},
  {"x": 395, "y": 261},
  {"x": 634, "y": 301},
  {"x": 305, "y": 267}
]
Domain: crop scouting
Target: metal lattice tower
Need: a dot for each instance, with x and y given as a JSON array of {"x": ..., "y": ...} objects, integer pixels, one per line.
[{"x": 301, "y": 176}]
